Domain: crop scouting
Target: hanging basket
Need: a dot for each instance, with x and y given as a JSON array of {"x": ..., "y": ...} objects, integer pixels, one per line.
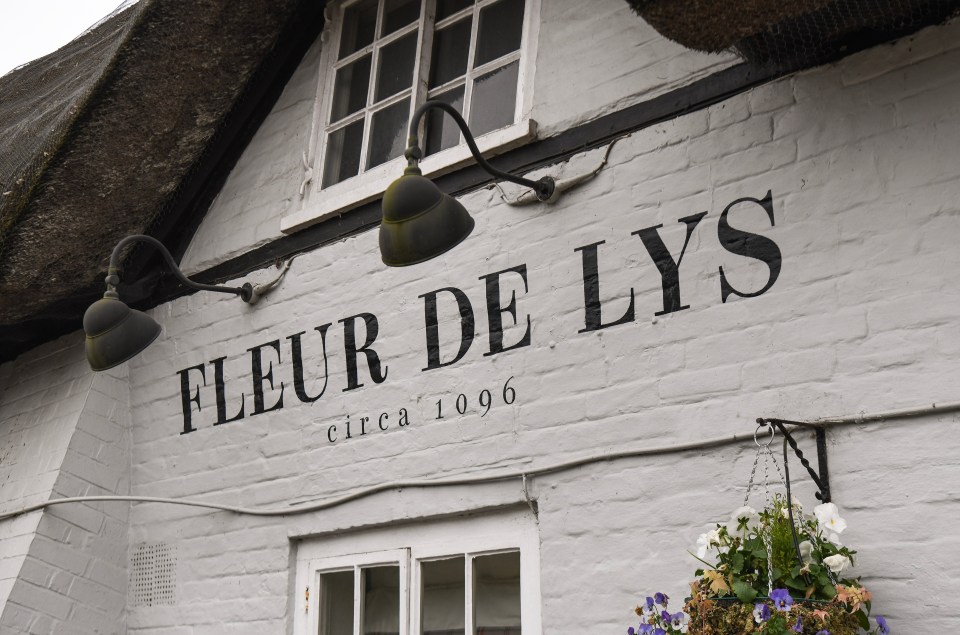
[
  {"x": 776, "y": 571},
  {"x": 789, "y": 33},
  {"x": 729, "y": 616}
]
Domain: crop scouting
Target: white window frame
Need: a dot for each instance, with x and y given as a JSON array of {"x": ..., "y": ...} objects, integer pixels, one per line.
[
  {"x": 471, "y": 537},
  {"x": 319, "y": 203},
  {"x": 355, "y": 563}
]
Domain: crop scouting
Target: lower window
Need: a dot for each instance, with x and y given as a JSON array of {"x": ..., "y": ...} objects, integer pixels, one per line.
[{"x": 472, "y": 576}]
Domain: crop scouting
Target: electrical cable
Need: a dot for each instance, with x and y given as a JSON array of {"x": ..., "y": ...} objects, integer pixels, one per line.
[
  {"x": 525, "y": 474},
  {"x": 561, "y": 185}
]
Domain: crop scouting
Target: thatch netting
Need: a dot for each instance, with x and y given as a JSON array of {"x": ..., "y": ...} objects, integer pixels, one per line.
[
  {"x": 39, "y": 102},
  {"x": 788, "y": 34},
  {"x": 98, "y": 136}
]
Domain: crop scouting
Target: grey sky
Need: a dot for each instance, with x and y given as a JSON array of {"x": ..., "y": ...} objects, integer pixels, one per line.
[{"x": 32, "y": 28}]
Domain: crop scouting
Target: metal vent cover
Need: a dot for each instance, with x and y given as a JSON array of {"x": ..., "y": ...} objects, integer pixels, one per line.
[{"x": 153, "y": 574}]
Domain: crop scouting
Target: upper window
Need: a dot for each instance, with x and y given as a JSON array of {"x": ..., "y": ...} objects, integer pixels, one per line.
[
  {"x": 392, "y": 55},
  {"x": 463, "y": 577}
]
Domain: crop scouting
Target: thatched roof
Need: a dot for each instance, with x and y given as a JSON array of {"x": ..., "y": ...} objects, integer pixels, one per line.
[
  {"x": 125, "y": 130},
  {"x": 789, "y": 34}
]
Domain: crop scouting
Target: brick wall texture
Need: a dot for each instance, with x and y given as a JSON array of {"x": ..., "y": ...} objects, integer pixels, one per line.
[
  {"x": 65, "y": 433},
  {"x": 859, "y": 158}
]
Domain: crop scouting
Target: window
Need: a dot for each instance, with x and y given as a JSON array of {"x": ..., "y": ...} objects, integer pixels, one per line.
[
  {"x": 383, "y": 58},
  {"x": 463, "y": 577}
]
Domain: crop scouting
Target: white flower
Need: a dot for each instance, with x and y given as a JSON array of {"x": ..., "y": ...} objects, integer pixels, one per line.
[
  {"x": 797, "y": 510},
  {"x": 707, "y": 540},
  {"x": 828, "y": 517},
  {"x": 835, "y": 539},
  {"x": 806, "y": 551},
  {"x": 747, "y": 512},
  {"x": 761, "y": 613},
  {"x": 680, "y": 621},
  {"x": 837, "y": 563}
]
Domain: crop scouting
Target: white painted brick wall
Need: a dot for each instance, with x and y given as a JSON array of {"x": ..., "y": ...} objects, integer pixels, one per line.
[
  {"x": 40, "y": 399},
  {"x": 63, "y": 570},
  {"x": 861, "y": 160},
  {"x": 861, "y": 319}
]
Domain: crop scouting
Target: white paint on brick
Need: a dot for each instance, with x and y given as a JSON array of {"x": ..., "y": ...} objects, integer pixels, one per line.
[
  {"x": 861, "y": 163},
  {"x": 65, "y": 433},
  {"x": 860, "y": 320}
]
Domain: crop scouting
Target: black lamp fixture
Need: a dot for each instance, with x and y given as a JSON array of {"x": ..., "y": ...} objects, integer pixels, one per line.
[
  {"x": 115, "y": 332},
  {"x": 419, "y": 221}
]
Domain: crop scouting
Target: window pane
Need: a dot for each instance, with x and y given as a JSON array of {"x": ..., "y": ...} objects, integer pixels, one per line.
[
  {"x": 496, "y": 602},
  {"x": 446, "y": 8},
  {"x": 494, "y": 99},
  {"x": 336, "y": 603},
  {"x": 451, "y": 46},
  {"x": 350, "y": 90},
  {"x": 442, "y": 131},
  {"x": 359, "y": 25},
  {"x": 398, "y": 14},
  {"x": 501, "y": 26},
  {"x": 343, "y": 153},
  {"x": 442, "y": 610},
  {"x": 381, "y": 600},
  {"x": 389, "y": 137},
  {"x": 396, "y": 66}
]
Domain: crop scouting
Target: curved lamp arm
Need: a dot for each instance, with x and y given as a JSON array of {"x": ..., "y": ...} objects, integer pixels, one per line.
[
  {"x": 245, "y": 292},
  {"x": 543, "y": 187}
]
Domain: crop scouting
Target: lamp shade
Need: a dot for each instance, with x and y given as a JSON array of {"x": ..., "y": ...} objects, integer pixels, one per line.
[
  {"x": 115, "y": 332},
  {"x": 419, "y": 221}
]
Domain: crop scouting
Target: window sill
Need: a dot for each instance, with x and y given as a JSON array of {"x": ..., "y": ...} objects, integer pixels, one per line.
[{"x": 370, "y": 185}]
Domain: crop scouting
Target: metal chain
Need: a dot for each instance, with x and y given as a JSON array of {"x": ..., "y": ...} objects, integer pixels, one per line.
[
  {"x": 783, "y": 481},
  {"x": 767, "y": 537},
  {"x": 753, "y": 472},
  {"x": 764, "y": 450},
  {"x": 756, "y": 458}
]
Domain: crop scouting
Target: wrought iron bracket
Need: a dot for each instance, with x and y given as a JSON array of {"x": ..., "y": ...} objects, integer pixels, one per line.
[{"x": 820, "y": 476}]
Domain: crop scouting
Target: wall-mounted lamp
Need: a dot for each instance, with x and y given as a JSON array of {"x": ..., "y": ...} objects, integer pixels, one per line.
[
  {"x": 419, "y": 221},
  {"x": 115, "y": 332}
]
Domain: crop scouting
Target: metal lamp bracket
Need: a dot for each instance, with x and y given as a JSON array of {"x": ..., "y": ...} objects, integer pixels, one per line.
[{"x": 821, "y": 476}]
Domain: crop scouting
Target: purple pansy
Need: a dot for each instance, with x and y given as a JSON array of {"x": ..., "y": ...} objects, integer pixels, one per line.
[
  {"x": 661, "y": 598},
  {"x": 882, "y": 625},
  {"x": 631, "y": 631},
  {"x": 824, "y": 632},
  {"x": 798, "y": 627},
  {"x": 781, "y": 599},
  {"x": 645, "y": 629}
]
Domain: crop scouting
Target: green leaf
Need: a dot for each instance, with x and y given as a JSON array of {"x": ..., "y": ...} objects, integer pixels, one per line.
[
  {"x": 745, "y": 592},
  {"x": 796, "y": 583},
  {"x": 829, "y": 591},
  {"x": 864, "y": 622},
  {"x": 736, "y": 562}
]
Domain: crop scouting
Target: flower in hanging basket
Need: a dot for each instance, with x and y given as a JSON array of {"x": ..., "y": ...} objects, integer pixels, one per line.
[
  {"x": 776, "y": 577},
  {"x": 772, "y": 572},
  {"x": 655, "y": 619}
]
